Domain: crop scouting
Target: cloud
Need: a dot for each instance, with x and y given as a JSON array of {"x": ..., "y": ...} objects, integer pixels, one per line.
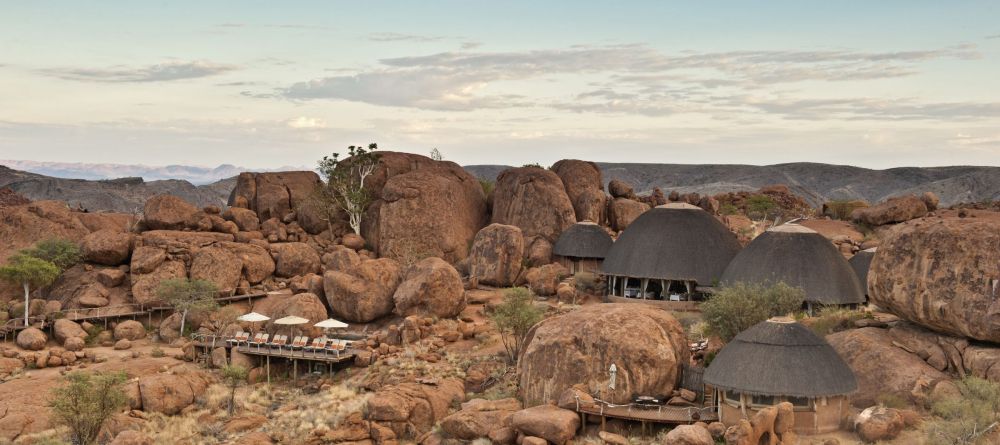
[
  {"x": 303, "y": 122},
  {"x": 161, "y": 72},
  {"x": 994, "y": 36},
  {"x": 400, "y": 37},
  {"x": 465, "y": 79}
]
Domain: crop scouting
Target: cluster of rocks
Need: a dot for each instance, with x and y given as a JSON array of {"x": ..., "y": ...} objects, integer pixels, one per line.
[{"x": 896, "y": 210}]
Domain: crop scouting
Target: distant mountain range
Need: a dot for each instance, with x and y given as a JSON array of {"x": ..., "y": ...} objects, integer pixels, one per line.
[
  {"x": 119, "y": 195},
  {"x": 95, "y": 172},
  {"x": 817, "y": 183}
]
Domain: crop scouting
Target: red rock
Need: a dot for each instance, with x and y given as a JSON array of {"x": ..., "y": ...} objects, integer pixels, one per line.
[
  {"x": 293, "y": 259},
  {"x": 366, "y": 293},
  {"x": 107, "y": 247},
  {"x": 273, "y": 194},
  {"x": 219, "y": 266},
  {"x": 622, "y": 211},
  {"x": 245, "y": 219},
  {"x": 585, "y": 188},
  {"x": 432, "y": 288},
  {"x": 621, "y": 189},
  {"x": 496, "y": 255},
  {"x": 535, "y": 200},
  {"x": 554, "y": 424},
  {"x": 893, "y": 210},
  {"x": 167, "y": 212}
]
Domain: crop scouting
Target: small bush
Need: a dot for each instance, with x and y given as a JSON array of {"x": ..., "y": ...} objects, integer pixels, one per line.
[
  {"x": 157, "y": 352},
  {"x": 61, "y": 252},
  {"x": 93, "y": 334},
  {"x": 487, "y": 186},
  {"x": 532, "y": 165},
  {"x": 514, "y": 317},
  {"x": 85, "y": 401},
  {"x": 842, "y": 209},
  {"x": 965, "y": 419},
  {"x": 728, "y": 208},
  {"x": 587, "y": 282},
  {"x": 735, "y": 308},
  {"x": 835, "y": 319}
]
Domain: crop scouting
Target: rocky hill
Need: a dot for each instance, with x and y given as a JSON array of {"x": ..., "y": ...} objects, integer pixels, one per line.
[
  {"x": 817, "y": 183},
  {"x": 118, "y": 195}
]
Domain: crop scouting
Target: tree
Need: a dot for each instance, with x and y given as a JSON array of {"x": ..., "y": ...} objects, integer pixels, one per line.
[
  {"x": 85, "y": 401},
  {"x": 344, "y": 189},
  {"x": 436, "y": 155},
  {"x": 514, "y": 317},
  {"x": 61, "y": 252},
  {"x": 187, "y": 295},
  {"x": 29, "y": 272},
  {"x": 735, "y": 308},
  {"x": 760, "y": 206},
  {"x": 234, "y": 375}
]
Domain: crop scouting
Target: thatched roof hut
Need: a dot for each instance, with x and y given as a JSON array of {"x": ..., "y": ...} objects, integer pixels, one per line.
[
  {"x": 673, "y": 242},
  {"x": 780, "y": 357},
  {"x": 861, "y": 262},
  {"x": 583, "y": 240},
  {"x": 800, "y": 257}
]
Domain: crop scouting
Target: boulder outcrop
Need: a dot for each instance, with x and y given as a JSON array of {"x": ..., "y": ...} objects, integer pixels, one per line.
[
  {"x": 585, "y": 188},
  {"x": 144, "y": 285},
  {"x": 893, "y": 210},
  {"x": 32, "y": 339},
  {"x": 64, "y": 329},
  {"x": 431, "y": 288},
  {"x": 535, "y": 200},
  {"x": 291, "y": 259},
  {"x": 881, "y": 367},
  {"x": 219, "y": 266},
  {"x": 167, "y": 212},
  {"x": 366, "y": 293},
  {"x": 170, "y": 393},
  {"x": 107, "y": 247},
  {"x": 478, "y": 418},
  {"x": 622, "y": 211},
  {"x": 496, "y": 255},
  {"x": 941, "y": 274},
  {"x": 274, "y": 194},
  {"x": 554, "y": 424},
  {"x": 305, "y": 305},
  {"x": 411, "y": 409},
  {"x": 580, "y": 346},
  {"x": 434, "y": 211},
  {"x": 878, "y": 423}
]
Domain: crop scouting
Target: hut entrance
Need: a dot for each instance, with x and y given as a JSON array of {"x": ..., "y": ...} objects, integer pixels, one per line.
[{"x": 692, "y": 380}]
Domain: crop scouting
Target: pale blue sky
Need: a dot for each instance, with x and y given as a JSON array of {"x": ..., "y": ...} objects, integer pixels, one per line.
[{"x": 263, "y": 84}]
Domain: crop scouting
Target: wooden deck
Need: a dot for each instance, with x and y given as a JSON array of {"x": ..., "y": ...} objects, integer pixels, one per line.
[
  {"x": 677, "y": 306},
  {"x": 659, "y": 414},
  {"x": 285, "y": 353}
]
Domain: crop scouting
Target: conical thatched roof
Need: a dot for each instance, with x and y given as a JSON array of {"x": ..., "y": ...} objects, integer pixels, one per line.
[
  {"x": 779, "y": 357},
  {"x": 673, "y": 243},
  {"x": 799, "y": 257},
  {"x": 583, "y": 240},
  {"x": 861, "y": 262}
]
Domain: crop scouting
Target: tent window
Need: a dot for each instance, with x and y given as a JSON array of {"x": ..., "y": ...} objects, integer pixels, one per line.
[
  {"x": 799, "y": 402},
  {"x": 732, "y": 397},
  {"x": 763, "y": 400}
]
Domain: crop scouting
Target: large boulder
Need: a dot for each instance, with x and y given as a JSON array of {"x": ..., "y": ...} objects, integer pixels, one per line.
[
  {"x": 275, "y": 194},
  {"x": 366, "y": 293},
  {"x": 881, "y": 367},
  {"x": 167, "y": 212},
  {"x": 433, "y": 211},
  {"x": 479, "y": 417},
  {"x": 937, "y": 272},
  {"x": 257, "y": 263},
  {"x": 689, "y": 435},
  {"x": 585, "y": 188},
  {"x": 554, "y": 424},
  {"x": 535, "y": 200},
  {"x": 621, "y": 189},
  {"x": 878, "y": 423},
  {"x": 32, "y": 339},
  {"x": 893, "y": 210},
  {"x": 145, "y": 259},
  {"x": 497, "y": 254},
  {"x": 431, "y": 288},
  {"x": 170, "y": 393},
  {"x": 130, "y": 330},
  {"x": 218, "y": 265},
  {"x": 245, "y": 219},
  {"x": 64, "y": 329},
  {"x": 622, "y": 211},
  {"x": 545, "y": 280},
  {"x": 412, "y": 409},
  {"x": 107, "y": 247},
  {"x": 144, "y": 285},
  {"x": 291, "y": 259},
  {"x": 579, "y": 348}
]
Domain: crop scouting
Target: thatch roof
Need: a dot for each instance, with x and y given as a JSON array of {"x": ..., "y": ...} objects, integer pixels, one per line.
[
  {"x": 673, "y": 243},
  {"x": 583, "y": 240},
  {"x": 780, "y": 357},
  {"x": 800, "y": 257},
  {"x": 861, "y": 262}
]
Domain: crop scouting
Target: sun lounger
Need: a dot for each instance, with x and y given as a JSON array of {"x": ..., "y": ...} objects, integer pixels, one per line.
[
  {"x": 299, "y": 342},
  {"x": 279, "y": 342},
  {"x": 240, "y": 337},
  {"x": 259, "y": 340}
]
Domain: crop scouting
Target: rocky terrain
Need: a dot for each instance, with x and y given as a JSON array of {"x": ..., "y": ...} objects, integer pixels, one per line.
[
  {"x": 816, "y": 183},
  {"x": 124, "y": 195},
  {"x": 420, "y": 287}
]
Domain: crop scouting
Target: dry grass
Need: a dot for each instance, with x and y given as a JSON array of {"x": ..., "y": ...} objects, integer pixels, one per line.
[{"x": 322, "y": 411}]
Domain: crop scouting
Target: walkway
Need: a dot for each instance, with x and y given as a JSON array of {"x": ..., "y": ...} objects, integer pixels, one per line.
[{"x": 674, "y": 415}]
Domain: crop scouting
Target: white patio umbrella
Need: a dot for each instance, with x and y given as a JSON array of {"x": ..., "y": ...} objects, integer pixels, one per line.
[
  {"x": 330, "y": 323},
  {"x": 291, "y": 320},
  {"x": 253, "y": 318}
]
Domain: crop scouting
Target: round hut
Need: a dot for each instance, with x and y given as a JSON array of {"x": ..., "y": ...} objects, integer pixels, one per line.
[
  {"x": 671, "y": 249},
  {"x": 582, "y": 247},
  {"x": 861, "y": 262},
  {"x": 800, "y": 257},
  {"x": 779, "y": 360}
]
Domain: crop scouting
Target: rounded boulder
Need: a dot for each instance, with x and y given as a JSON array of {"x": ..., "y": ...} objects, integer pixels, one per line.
[
  {"x": 107, "y": 247},
  {"x": 580, "y": 347},
  {"x": 366, "y": 293},
  {"x": 432, "y": 288}
]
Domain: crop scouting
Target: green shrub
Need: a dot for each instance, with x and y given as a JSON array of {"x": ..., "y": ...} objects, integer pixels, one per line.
[
  {"x": 533, "y": 165},
  {"x": 61, "y": 252},
  {"x": 586, "y": 282},
  {"x": 965, "y": 419},
  {"x": 514, "y": 317},
  {"x": 760, "y": 206},
  {"x": 487, "y": 186},
  {"x": 835, "y": 319},
  {"x": 85, "y": 401},
  {"x": 727, "y": 208},
  {"x": 735, "y": 308},
  {"x": 157, "y": 352}
]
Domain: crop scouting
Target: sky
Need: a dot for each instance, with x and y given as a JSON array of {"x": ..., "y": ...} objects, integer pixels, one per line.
[{"x": 261, "y": 84}]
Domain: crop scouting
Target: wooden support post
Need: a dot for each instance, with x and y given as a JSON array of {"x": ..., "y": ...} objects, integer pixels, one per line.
[
  {"x": 642, "y": 287},
  {"x": 268, "y": 369},
  {"x": 604, "y": 422},
  {"x": 295, "y": 369},
  {"x": 690, "y": 288}
]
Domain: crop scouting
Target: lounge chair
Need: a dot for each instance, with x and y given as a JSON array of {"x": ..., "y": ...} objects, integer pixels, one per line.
[
  {"x": 240, "y": 337},
  {"x": 298, "y": 343},
  {"x": 279, "y": 342},
  {"x": 258, "y": 339}
]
